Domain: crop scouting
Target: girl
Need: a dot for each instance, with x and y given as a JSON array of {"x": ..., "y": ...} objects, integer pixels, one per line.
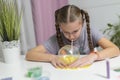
[{"x": 72, "y": 24}]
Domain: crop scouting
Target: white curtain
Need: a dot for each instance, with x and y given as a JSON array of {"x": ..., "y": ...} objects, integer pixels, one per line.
[{"x": 27, "y": 28}]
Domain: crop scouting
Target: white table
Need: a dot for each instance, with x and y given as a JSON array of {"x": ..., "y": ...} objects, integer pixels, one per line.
[{"x": 97, "y": 71}]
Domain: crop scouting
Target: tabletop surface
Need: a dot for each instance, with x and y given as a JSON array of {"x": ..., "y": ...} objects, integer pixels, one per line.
[{"x": 97, "y": 71}]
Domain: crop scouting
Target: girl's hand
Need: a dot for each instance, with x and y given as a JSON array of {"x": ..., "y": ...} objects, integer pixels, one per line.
[
  {"x": 87, "y": 60},
  {"x": 56, "y": 62}
]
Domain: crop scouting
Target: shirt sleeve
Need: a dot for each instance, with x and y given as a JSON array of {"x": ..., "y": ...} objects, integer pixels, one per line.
[
  {"x": 51, "y": 45},
  {"x": 96, "y": 36}
]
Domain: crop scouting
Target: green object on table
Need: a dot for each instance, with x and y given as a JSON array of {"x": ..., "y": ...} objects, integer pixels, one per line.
[
  {"x": 117, "y": 69},
  {"x": 34, "y": 72}
]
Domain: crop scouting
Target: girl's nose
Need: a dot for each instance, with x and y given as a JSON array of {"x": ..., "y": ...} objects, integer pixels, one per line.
[{"x": 71, "y": 37}]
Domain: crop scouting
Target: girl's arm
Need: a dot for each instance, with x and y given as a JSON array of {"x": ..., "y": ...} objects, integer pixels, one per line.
[
  {"x": 109, "y": 49},
  {"x": 39, "y": 53}
]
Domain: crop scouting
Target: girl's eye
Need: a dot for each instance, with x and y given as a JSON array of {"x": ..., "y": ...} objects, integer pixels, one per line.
[{"x": 75, "y": 31}]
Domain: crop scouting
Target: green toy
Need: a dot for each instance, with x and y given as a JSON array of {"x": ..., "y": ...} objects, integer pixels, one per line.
[{"x": 34, "y": 72}]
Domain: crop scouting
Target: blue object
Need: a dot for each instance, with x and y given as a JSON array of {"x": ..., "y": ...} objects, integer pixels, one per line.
[
  {"x": 41, "y": 78},
  {"x": 8, "y": 78},
  {"x": 44, "y": 78}
]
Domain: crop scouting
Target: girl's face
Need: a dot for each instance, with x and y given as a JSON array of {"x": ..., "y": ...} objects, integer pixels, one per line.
[{"x": 71, "y": 30}]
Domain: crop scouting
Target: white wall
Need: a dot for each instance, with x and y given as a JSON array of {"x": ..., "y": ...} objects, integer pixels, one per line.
[{"x": 101, "y": 11}]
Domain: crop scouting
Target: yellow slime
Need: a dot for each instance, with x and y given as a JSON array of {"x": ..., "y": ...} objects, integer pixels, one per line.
[{"x": 68, "y": 59}]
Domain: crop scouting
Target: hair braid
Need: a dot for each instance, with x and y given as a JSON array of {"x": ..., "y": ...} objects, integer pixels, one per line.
[
  {"x": 58, "y": 33},
  {"x": 85, "y": 14}
]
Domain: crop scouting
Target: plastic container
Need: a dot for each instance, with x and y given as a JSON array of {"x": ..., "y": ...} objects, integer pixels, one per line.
[{"x": 69, "y": 54}]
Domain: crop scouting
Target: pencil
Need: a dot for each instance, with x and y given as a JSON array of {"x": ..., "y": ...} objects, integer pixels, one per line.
[{"x": 108, "y": 68}]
